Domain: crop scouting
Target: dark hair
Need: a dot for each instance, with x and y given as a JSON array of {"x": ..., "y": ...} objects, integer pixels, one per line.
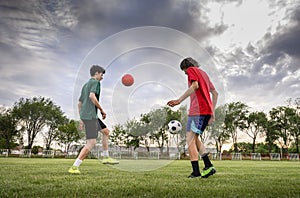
[
  {"x": 188, "y": 62},
  {"x": 96, "y": 68}
]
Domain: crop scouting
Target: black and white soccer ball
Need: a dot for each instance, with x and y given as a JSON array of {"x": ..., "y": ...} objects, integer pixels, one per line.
[{"x": 174, "y": 126}]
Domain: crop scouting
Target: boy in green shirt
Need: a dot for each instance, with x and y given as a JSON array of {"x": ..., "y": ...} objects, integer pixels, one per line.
[{"x": 88, "y": 105}]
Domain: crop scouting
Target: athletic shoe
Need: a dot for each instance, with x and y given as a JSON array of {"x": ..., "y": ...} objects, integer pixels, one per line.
[
  {"x": 193, "y": 176},
  {"x": 208, "y": 172},
  {"x": 74, "y": 170},
  {"x": 109, "y": 160}
]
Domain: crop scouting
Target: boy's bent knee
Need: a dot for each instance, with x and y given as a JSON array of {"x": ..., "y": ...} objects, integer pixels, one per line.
[
  {"x": 90, "y": 143},
  {"x": 105, "y": 131}
]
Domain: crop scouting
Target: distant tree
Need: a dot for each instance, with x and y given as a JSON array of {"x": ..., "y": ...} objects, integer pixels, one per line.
[
  {"x": 55, "y": 117},
  {"x": 157, "y": 126},
  {"x": 243, "y": 147},
  {"x": 217, "y": 128},
  {"x": 295, "y": 128},
  {"x": 295, "y": 122},
  {"x": 8, "y": 129},
  {"x": 236, "y": 113},
  {"x": 32, "y": 115},
  {"x": 262, "y": 148},
  {"x": 136, "y": 132},
  {"x": 182, "y": 134},
  {"x": 256, "y": 124},
  {"x": 150, "y": 128},
  {"x": 146, "y": 132},
  {"x": 179, "y": 138},
  {"x": 283, "y": 123},
  {"x": 246, "y": 148},
  {"x": 68, "y": 134},
  {"x": 271, "y": 134},
  {"x": 118, "y": 135},
  {"x": 35, "y": 149}
]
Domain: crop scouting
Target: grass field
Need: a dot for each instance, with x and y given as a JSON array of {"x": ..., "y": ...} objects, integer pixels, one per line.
[{"x": 35, "y": 177}]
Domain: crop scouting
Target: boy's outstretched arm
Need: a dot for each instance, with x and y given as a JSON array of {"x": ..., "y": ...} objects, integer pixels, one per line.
[{"x": 194, "y": 86}]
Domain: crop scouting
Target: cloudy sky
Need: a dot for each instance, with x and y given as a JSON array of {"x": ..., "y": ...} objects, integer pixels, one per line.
[{"x": 250, "y": 49}]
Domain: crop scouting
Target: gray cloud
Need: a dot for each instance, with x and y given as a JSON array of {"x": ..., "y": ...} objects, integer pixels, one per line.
[
  {"x": 266, "y": 69},
  {"x": 32, "y": 24},
  {"x": 287, "y": 39},
  {"x": 43, "y": 43}
]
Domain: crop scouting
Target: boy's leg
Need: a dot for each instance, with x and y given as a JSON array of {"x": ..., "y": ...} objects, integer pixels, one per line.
[
  {"x": 193, "y": 153},
  {"x": 105, "y": 132},
  {"x": 203, "y": 153},
  {"x": 105, "y": 136},
  {"x": 208, "y": 167},
  {"x": 91, "y": 135},
  {"x": 87, "y": 148},
  {"x": 90, "y": 143}
]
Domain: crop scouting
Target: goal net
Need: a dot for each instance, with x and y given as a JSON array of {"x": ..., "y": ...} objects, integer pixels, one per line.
[
  {"x": 236, "y": 156},
  {"x": 216, "y": 156},
  {"x": 48, "y": 153},
  {"x": 255, "y": 156},
  {"x": 174, "y": 156},
  {"x": 294, "y": 156},
  {"x": 3, "y": 152},
  {"x": 116, "y": 154},
  {"x": 154, "y": 155},
  {"x": 275, "y": 156},
  {"x": 25, "y": 153}
]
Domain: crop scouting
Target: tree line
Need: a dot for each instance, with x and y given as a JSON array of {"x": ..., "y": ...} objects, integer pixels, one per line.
[
  {"x": 38, "y": 115},
  {"x": 32, "y": 116},
  {"x": 280, "y": 127}
]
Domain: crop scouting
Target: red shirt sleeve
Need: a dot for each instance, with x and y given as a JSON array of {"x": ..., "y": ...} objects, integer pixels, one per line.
[{"x": 192, "y": 75}]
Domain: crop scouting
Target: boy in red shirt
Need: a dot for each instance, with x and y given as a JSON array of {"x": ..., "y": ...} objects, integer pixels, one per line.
[{"x": 201, "y": 113}]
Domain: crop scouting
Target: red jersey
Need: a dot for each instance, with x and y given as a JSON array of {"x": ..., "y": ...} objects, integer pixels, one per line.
[{"x": 200, "y": 101}]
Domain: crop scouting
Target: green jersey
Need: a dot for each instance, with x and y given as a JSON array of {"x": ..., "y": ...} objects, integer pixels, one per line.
[{"x": 88, "y": 109}]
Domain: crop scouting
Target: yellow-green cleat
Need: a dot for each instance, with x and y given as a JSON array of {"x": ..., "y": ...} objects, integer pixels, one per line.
[
  {"x": 208, "y": 172},
  {"x": 109, "y": 160},
  {"x": 74, "y": 170}
]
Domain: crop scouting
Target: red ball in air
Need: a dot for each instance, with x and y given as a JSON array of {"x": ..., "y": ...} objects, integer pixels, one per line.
[{"x": 127, "y": 80}]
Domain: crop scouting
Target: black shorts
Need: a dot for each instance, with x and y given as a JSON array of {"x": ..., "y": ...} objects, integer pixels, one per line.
[
  {"x": 101, "y": 125},
  {"x": 91, "y": 128}
]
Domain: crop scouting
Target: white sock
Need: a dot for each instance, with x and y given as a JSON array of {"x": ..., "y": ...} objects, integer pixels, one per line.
[
  {"x": 77, "y": 162},
  {"x": 105, "y": 153}
]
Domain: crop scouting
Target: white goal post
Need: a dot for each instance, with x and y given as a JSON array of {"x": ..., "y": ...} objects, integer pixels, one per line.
[
  {"x": 216, "y": 156},
  {"x": 274, "y": 156},
  {"x": 25, "y": 153},
  {"x": 255, "y": 156},
  {"x": 174, "y": 155},
  {"x": 236, "y": 156},
  {"x": 3, "y": 152},
  {"x": 154, "y": 155},
  {"x": 294, "y": 156},
  {"x": 48, "y": 153},
  {"x": 116, "y": 154}
]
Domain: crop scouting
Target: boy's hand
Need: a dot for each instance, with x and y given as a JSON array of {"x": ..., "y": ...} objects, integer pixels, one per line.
[
  {"x": 103, "y": 114},
  {"x": 173, "y": 103},
  {"x": 212, "y": 119},
  {"x": 81, "y": 125}
]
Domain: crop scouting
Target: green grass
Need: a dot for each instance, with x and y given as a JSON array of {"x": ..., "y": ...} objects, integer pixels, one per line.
[{"x": 35, "y": 177}]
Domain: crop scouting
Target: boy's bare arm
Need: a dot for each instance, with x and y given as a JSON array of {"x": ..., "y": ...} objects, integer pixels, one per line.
[
  {"x": 81, "y": 124},
  {"x": 214, "y": 94},
  {"x": 194, "y": 86},
  {"x": 96, "y": 103}
]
